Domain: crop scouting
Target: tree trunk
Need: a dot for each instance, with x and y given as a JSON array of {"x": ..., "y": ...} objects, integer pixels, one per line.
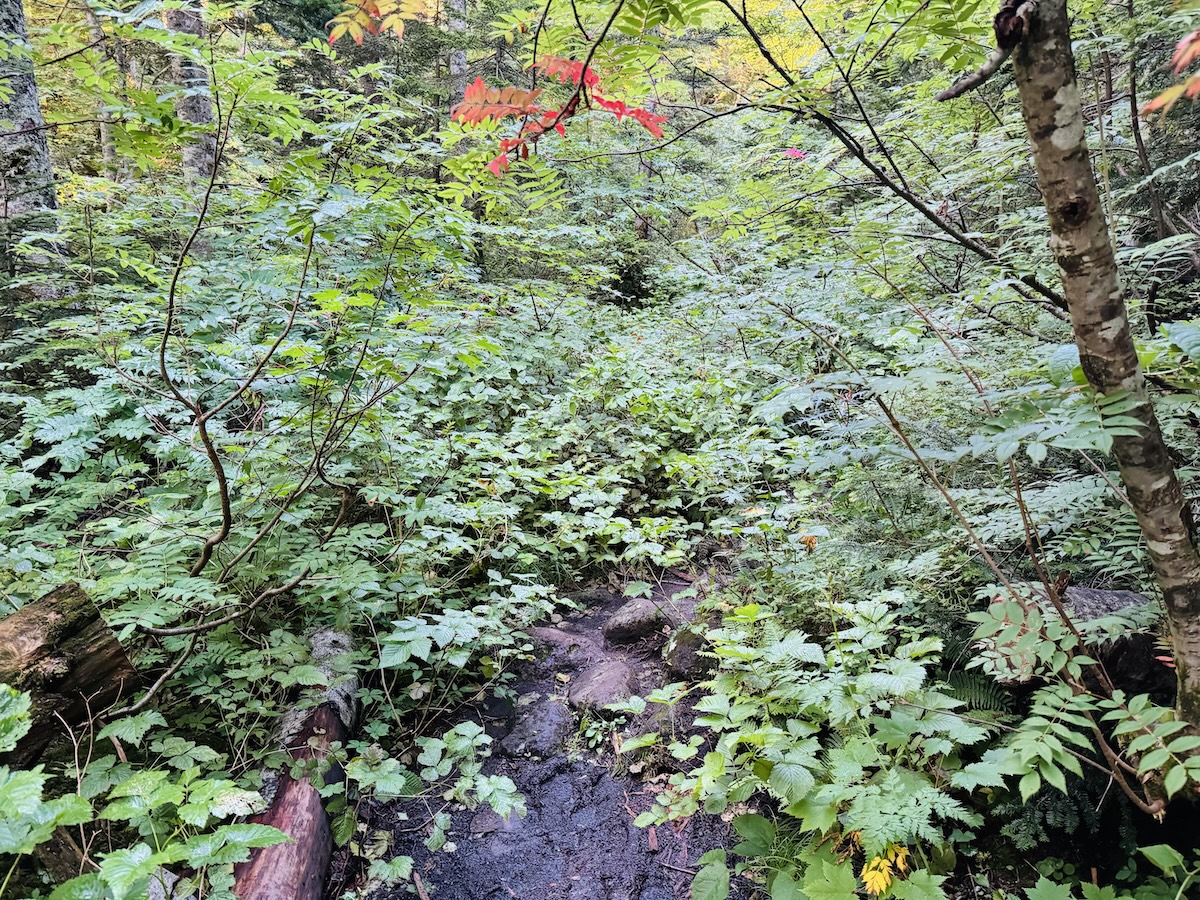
[
  {"x": 195, "y": 105},
  {"x": 26, "y": 175},
  {"x": 456, "y": 20},
  {"x": 61, "y": 652},
  {"x": 1045, "y": 74},
  {"x": 108, "y": 147},
  {"x": 296, "y": 870}
]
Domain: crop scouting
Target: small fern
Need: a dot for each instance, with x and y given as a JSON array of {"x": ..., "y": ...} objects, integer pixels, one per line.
[{"x": 979, "y": 692}]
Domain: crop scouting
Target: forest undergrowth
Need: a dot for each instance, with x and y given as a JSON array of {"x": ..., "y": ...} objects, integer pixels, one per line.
[{"x": 411, "y": 377}]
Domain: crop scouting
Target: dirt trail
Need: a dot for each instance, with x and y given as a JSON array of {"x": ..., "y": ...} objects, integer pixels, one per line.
[{"x": 578, "y": 841}]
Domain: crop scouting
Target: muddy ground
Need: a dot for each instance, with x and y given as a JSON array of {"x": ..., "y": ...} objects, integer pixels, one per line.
[{"x": 578, "y": 840}]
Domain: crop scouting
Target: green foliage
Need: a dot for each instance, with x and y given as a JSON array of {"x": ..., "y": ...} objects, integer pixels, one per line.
[{"x": 363, "y": 383}]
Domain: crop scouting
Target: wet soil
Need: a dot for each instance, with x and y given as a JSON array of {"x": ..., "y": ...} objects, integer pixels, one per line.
[{"x": 578, "y": 840}]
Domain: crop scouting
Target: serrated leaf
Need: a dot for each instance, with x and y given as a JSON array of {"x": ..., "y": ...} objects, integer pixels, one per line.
[
  {"x": 1045, "y": 889},
  {"x": 920, "y": 885},
  {"x": 830, "y": 881},
  {"x": 711, "y": 882},
  {"x": 133, "y": 729}
]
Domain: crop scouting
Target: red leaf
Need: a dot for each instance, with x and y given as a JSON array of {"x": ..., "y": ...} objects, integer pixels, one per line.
[
  {"x": 499, "y": 164},
  {"x": 567, "y": 70},
  {"x": 616, "y": 107},
  {"x": 648, "y": 120},
  {"x": 482, "y": 102}
]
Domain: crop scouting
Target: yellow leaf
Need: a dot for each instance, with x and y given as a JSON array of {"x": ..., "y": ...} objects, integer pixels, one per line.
[{"x": 877, "y": 876}]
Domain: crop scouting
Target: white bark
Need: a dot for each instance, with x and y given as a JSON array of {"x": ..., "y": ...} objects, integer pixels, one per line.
[
  {"x": 456, "y": 20},
  {"x": 1045, "y": 72}
]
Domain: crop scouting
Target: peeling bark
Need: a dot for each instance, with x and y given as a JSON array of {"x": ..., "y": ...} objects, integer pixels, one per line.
[
  {"x": 1045, "y": 74},
  {"x": 26, "y": 175}
]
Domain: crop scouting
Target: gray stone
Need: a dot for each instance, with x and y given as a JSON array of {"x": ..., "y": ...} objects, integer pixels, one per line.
[
  {"x": 637, "y": 619},
  {"x": 541, "y": 729},
  {"x": 682, "y": 654},
  {"x": 577, "y": 649},
  {"x": 1092, "y": 603},
  {"x": 609, "y": 682}
]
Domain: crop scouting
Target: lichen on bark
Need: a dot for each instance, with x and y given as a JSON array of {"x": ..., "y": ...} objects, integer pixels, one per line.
[{"x": 1045, "y": 73}]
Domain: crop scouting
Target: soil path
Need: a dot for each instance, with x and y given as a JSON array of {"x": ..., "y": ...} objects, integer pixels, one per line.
[{"x": 578, "y": 840}]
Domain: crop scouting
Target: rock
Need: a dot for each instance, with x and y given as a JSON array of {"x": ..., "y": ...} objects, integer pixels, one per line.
[
  {"x": 577, "y": 650},
  {"x": 541, "y": 729},
  {"x": 637, "y": 619},
  {"x": 1091, "y": 603},
  {"x": 682, "y": 654},
  {"x": 588, "y": 597},
  {"x": 602, "y": 684}
]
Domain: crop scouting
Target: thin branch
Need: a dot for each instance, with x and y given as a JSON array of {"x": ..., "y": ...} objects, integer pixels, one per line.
[
  {"x": 970, "y": 82},
  {"x": 203, "y": 626},
  {"x": 1010, "y": 25}
]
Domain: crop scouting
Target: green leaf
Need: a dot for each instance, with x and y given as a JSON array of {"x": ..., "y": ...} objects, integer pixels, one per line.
[
  {"x": 1029, "y": 785},
  {"x": 1175, "y": 780},
  {"x": 14, "y": 717},
  {"x": 1045, "y": 889},
  {"x": 1164, "y": 856},
  {"x": 830, "y": 881},
  {"x": 132, "y": 729},
  {"x": 126, "y": 872},
  {"x": 756, "y": 831},
  {"x": 1062, "y": 363},
  {"x": 711, "y": 882},
  {"x": 790, "y": 781},
  {"x": 784, "y": 887},
  {"x": 920, "y": 885},
  {"x": 85, "y": 887}
]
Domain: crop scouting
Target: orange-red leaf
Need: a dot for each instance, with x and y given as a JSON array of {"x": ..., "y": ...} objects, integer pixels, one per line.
[
  {"x": 1186, "y": 51},
  {"x": 482, "y": 102},
  {"x": 499, "y": 165},
  {"x": 567, "y": 70},
  {"x": 648, "y": 120}
]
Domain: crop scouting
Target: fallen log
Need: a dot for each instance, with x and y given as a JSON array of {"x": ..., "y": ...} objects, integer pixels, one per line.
[
  {"x": 296, "y": 870},
  {"x": 59, "y": 650}
]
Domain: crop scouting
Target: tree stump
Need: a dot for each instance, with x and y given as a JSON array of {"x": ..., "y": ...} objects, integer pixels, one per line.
[{"x": 59, "y": 650}]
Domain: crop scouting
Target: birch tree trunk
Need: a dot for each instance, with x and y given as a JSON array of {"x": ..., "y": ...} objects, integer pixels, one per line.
[
  {"x": 1045, "y": 73},
  {"x": 26, "y": 175},
  {"x": 195, "y": 106}
]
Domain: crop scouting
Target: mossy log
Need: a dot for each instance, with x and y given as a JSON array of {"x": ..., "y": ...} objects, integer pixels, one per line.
[{"x": 59, "y": 650}]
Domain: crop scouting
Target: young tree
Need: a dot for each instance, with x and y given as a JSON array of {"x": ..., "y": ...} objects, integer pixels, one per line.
[
  {"x": 1038, "y": 36},
  {"x": 26, "y": 174}
]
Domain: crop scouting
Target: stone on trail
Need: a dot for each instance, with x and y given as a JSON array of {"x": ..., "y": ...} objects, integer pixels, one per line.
[
  {"x": 682, "y": 654},
  {"x": 487, "y": 821},
  {"x": 541, "y": 728},
  {"x": 608, "y": 682},
  {"x": 637, "y": 619}
]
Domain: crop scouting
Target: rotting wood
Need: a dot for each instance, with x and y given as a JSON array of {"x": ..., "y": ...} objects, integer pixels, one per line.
[
  {"x": 59, "y": 650},
  {"x": 296, "y": 870}
]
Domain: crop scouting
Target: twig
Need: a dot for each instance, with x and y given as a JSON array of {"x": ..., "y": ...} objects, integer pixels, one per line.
[{"x": 1011, "y": 24}]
